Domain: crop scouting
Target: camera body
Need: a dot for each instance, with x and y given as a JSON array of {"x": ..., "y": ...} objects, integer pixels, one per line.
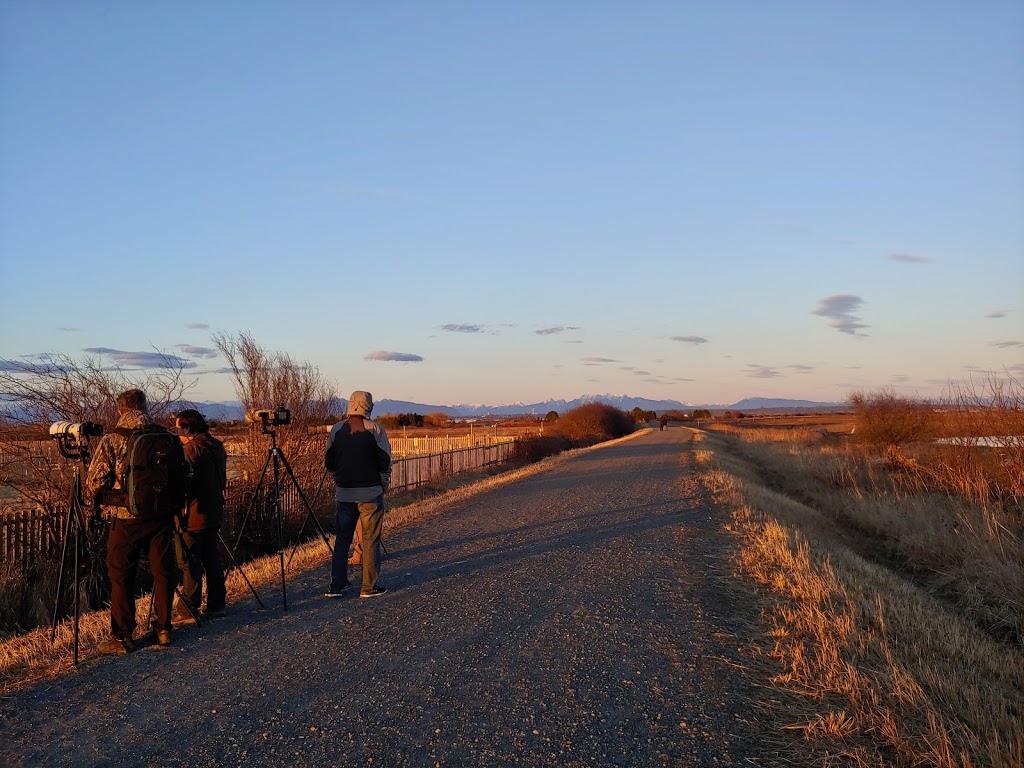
[{"x": 279, "y": 416}]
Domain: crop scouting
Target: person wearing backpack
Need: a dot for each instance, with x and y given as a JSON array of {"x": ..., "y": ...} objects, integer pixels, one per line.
[
  {"x": 140, "y": 476},
  {"x": 196, "y": 546}
]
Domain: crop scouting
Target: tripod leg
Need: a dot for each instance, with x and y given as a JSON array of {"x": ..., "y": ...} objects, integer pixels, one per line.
[
  {"x": 316, "y": 497},
  {"x": 309, "y": 509},
  {"x": 238, "y": 567},
  {"x": 187, "y": 552},
  {"x": 60, "y": 576},
  {"x": 255, "y": 498}
]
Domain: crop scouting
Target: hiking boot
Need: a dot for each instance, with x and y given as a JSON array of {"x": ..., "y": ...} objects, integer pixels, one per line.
[
  {"x": 375, "y": 592},
  {"x": 116, "y": 646},
  {"x": 161, "y": 637}
]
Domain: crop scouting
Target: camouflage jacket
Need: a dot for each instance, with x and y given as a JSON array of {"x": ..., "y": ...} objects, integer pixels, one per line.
[{"x": 108, "y": 462}]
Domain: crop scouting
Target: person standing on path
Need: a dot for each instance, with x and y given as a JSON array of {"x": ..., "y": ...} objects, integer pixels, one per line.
[
  {"x": 359, "y": 455},
  {"x": 131, "y": 533},
  {"x": 196, "y": 546}
]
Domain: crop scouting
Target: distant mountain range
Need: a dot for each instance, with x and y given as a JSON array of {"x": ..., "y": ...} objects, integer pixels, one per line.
[{"x": 232, "y": 410}]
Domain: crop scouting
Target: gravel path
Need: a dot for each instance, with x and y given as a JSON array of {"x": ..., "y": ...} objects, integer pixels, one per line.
[{"x": 578, "y": 617}]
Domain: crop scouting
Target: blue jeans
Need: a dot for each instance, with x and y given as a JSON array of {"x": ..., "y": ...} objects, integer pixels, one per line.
[{"x": 369, "y": 515}]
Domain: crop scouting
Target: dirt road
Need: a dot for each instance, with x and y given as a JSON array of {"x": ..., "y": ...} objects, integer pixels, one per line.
[{"x": 579, "y": 617}]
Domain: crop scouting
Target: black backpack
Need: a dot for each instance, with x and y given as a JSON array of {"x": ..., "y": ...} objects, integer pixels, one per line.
[{"x": 156, "y": 472}]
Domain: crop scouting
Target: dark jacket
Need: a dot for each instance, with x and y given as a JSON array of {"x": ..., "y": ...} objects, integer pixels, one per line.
[
  {"x": 359, "y": 454},
  {"x": 209, "y": 479}
]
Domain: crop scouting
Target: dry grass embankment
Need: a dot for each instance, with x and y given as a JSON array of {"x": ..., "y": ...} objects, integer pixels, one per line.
[
  {"x": 894, "y": 633},
  {"x": 32, "y": 656}
]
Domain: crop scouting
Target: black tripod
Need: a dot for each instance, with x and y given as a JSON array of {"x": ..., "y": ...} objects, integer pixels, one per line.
[
  {"x": 276, "y": 457},
  {"x": 74, "y": 527}
]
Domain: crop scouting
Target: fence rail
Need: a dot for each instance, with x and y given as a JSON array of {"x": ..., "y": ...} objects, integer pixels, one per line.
[{"x": 26, "y": 535}]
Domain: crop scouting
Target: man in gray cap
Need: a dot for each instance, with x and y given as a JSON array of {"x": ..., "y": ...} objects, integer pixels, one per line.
[{"x": 359, "y": 455}]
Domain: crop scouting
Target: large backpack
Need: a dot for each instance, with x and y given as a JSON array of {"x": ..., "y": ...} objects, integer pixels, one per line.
[{"x": 156, "y": 472}]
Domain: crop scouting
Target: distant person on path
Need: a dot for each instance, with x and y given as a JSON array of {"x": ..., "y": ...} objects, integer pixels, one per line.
[
  {"x": 359, "y": 455},
  {"x": 664, "y": 423},
  {"x": 132, "y": 533},
  {"x": 196, "y": 545}
]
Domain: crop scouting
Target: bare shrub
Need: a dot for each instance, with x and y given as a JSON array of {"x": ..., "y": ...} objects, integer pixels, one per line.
[
  {"x": 594, "y": 422},
  {"x": 885, "y": 418},
  {"x": 62, "y": 388},
  {"x": 265, "y": 378},
  {"x": 528, "y": 450}
]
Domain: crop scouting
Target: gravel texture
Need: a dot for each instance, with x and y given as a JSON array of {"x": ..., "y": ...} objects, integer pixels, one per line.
[{"x": 578, "y": 617}]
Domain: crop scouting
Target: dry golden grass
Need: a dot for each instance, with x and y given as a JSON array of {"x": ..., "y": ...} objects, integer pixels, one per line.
[
  {"x": 895, "y": 618},
  {"x": 33, "y": 656}
]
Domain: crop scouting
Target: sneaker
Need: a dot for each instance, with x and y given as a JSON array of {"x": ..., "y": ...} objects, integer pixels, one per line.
[
  {"x": 116, "y": 646},
  {"x": 335, "y": 593},
  {"x": 218, "y": 613},
  {"x": 375, "y": 592}
]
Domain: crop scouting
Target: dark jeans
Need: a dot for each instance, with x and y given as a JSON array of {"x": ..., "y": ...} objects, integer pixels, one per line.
[
  {"x": 128, "y": 540},
  {"x": 202, "y": 557},
  {"x": 369, "y": 515}
]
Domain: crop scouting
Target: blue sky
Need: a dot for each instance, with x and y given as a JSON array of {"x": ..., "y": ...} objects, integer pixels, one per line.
[{"x": 454, "y": 202}]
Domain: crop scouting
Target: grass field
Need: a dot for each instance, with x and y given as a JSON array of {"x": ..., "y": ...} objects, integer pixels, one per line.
[{"x": 892, "y": 633}]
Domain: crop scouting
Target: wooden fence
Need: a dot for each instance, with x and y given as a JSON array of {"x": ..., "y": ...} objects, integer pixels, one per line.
[{"x": 28, "y": 534}]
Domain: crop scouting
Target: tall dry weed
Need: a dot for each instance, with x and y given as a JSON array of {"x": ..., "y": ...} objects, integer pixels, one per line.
[{"x": 883, "y": 673}]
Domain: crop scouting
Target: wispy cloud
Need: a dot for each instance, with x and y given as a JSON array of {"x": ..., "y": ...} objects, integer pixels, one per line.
[
  {"x": 27, "y": 366},
  {"x": 205, "y": 352},
  {"x": 691, "y": 340},
  {"x": 908, "y": 258},
  {"x": 462, "y": 328},
  {"x": 64, "y": 329},
  {"x": 801, "y": 368},
  {"x": 212, "y": 371},
  {"x": 840, "y": 310},
  {"x": 641, "y": 373},
  {"x": 397, "y": 357},
  {"x": 900, "y": 378},
  {"x": 999, "y": 313},
  {"x": 1008, "y": 344},
  {"x": 598, "y": 360},
  {"x": 142, "y": 359},
  {"x": 680, "y": 378},
  {"x": 761, "y": 372},
  {"x": 198, "y": 326},
  {"x": 553, "y": 329}
]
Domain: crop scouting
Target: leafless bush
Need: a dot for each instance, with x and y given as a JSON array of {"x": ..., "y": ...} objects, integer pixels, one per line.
[
  {"x": 265, "y": 379},
  {"x": 528, "y": 450},
  {"x": 594, "y": 422},
  {"x": 885, "y": 418},
  {"x": 62, "y": 388}
]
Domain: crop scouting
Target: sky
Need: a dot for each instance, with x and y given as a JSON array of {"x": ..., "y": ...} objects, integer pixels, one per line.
[{"x": 462, "y": 202}]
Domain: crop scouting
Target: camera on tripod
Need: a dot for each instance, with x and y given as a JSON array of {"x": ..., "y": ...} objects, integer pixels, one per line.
[
  {"x": 279, "y": 416},
  {"x": 73, "y": 438}
]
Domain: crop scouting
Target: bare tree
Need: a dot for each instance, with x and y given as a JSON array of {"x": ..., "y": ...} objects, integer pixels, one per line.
[
  {"x": 58, "y": 387},
  {"x": 266, "y": 378}
]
